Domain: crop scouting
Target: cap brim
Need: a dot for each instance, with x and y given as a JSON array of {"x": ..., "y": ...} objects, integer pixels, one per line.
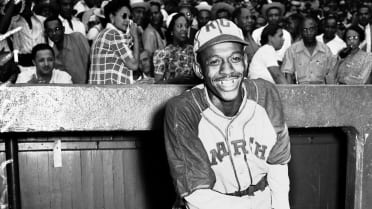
[{"x": 221, "y": 39}]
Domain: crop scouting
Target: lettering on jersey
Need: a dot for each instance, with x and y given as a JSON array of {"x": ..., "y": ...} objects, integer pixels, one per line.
[
  {"x": 260, "y": 151},
  {"x": 240, "y": 147},
  {"x": 220, "y": 153},
  {"x": 239, "y": 144},
  {"x": 222, "y": 23}
]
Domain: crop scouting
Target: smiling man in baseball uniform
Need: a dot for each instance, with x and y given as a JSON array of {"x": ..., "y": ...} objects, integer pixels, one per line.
[{"x": 226, "y": 139}]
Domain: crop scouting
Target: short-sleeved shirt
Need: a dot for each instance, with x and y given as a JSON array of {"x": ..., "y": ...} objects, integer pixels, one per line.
[
  {"x": 265, "y": 57},
  {"x": 109, "y": 51},
  {"x": 256, "y": 35},
  {"x": 174, "y": 62},
  {"x": 308, "y": 69},
  {"x": 355, "y": 69},
  {"x": 335, "y": 45}
]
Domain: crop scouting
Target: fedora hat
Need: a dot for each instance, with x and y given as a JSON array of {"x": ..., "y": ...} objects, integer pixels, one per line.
[
  {"x": 267, "y": 7},
  {"x": 139, "y": 3},
  {"x": 221, "y": 6}
]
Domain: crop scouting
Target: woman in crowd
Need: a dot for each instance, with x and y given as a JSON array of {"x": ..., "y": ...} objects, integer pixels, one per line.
[
  {"x": 173, "y": 64},
  {"x": 115, "y": 52},
  {"x": 265, "y": 62},
  {"x": 354, "y": 65}
]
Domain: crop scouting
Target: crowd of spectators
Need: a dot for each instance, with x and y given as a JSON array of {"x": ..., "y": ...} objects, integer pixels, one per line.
[{"x": 151, "y": 41}]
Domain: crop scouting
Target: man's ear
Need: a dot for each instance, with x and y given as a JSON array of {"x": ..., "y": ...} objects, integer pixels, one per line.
[
  {"x": 63, "y": 29},
  {"x": 197, "y": 70},
  {"x": 33, "y": 62}
]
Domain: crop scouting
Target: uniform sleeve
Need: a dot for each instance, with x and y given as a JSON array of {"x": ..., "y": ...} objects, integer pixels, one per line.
[
  {"x": 188, "y": 161},
  {"x": 288, "y": 64},
  {"x": 278, "y": 180},
  {"x": 270, "y": 100}
]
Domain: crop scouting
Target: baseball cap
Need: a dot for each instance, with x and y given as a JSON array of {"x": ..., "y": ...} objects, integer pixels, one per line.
[{"x": 217, "y": 31}]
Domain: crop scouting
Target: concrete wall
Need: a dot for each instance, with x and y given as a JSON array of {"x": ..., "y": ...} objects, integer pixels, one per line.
[{"x": 61, "y": 109}]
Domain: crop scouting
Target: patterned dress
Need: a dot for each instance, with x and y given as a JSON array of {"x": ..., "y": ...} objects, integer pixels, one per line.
[
  {"x": 174, "y": 62},
  {"x": 355, "y": 69}
]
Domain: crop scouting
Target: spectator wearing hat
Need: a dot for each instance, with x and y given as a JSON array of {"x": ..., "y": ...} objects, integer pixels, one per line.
[
  {"x": 204, "y": 13},
  {"x": 329, "y": 37},
  {"x": 115, "y": 52},
  {"x": 245, "y": 20},
  {"x": 140, "y": 9},
  {"x": 308, "y": 61},
  {"x": 274, "y": 12},
  {"x": 222, "y": 10},
  {"x": 173, "y": 64},
  {"x": 154, "y": 35}
]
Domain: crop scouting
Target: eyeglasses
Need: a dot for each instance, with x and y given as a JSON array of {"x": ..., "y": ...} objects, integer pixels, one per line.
[
  {"x": 352, "y": 38},
  {"x": 55, "y": 30},
  {"x": 126, "y": 16}
]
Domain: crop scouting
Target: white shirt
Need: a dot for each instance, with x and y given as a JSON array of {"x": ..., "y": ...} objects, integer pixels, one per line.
[
  {"x": 256, "y": 35},
  {"x": 58, "y": 76},
  {"x": 367, "y": 42},
  {"x": 76, "y": 24},
  {"x": 27, "y": 38},
  {"x": 265, "y": 57},
  {"x": 335, "y": 45}
]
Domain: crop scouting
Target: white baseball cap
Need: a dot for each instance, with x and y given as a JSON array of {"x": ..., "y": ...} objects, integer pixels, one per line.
[{"x": 215, "y": 32}]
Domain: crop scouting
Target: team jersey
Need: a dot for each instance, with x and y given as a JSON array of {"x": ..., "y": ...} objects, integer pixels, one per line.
[{"x": 208, "y": 150}]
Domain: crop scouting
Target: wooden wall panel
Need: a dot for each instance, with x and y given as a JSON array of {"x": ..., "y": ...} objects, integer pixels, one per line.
[
  {"x": 88, "y": 179},
  {"x": 120, "y": 172}
]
